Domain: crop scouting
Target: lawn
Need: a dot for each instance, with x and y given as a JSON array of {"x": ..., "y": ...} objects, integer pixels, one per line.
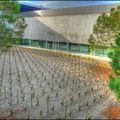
[{"x": 44, "y": 84}]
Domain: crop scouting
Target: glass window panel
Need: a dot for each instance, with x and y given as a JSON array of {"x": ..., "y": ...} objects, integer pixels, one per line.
[
  {"x": 35, "y": 43},
  {"x": 25, "y": 42},
  {"x": 42, "y": 44},
  {"x": 73, "y": 47},
  {"x": 84, "y": 48},
  {"x": 63, "y": 46},
  {"x": 50, "y": 45}
]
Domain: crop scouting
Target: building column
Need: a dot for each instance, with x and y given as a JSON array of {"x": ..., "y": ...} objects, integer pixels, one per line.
[
  {"x": 46, "y": 44},
  {"x": 67, "y": 46},
  {"x": 53, "y": 46},
  {"x": 58, "y": 45},
  {"x": 29, "y": 42},
  {"x": 79, "y": 48}
]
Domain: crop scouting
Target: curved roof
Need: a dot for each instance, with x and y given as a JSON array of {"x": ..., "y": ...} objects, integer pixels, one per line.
[
  {"x": 26, "y": 8},
  {"x": 98, "y": 9}
]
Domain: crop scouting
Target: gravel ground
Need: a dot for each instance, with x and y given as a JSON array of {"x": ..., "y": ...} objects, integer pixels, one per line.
[{"x": 40, "y": 84}]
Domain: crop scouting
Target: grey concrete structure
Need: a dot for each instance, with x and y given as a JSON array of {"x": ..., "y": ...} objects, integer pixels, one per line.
[{"x": 73, "y": 25}]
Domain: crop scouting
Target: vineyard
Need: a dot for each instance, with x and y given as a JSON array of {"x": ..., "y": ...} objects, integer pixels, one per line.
[{"x": 42, "y": 84}]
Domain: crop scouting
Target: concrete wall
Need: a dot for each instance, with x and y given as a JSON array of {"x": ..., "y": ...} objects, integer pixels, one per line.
[
  {"x": 65, "y": 25},
  {"x": 72, "y": 28}
]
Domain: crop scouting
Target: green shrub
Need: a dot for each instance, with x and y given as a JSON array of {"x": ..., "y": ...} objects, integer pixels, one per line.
[{"x": 114, "y": 84}]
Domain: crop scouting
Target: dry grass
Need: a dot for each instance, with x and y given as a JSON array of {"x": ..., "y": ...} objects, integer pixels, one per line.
[{"x": 112, "y": 112}]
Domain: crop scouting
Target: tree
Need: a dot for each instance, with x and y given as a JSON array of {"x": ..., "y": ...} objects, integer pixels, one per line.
[
  {"x": 114, "y": 82},
  {"x": 106, "y": 27},
  {"x": 106, "y": 32},
  {"x": 12, "y": 26},
  {"x": 91, "y": 40},
  {"x": 114, "y": 54}
]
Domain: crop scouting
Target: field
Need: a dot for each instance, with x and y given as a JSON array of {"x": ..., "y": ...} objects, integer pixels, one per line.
[{"x": 41, "y": 84}]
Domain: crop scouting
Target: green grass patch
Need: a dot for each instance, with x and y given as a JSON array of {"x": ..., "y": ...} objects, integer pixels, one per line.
[{"x": 114, "y": 84}]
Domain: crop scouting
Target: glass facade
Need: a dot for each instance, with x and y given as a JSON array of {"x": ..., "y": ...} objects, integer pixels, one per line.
[
  {"x": 84, "y": 49},
  {"x": 101, "y": 52},
  {"x": 64, "y": 46},
  {"x": 50, "y": 45},
  {"x": 42, "y": 44},
  {"x": 35, "y": 43},
  {"x": 74, "y": 47},
  {"x": 25, "y": 42}
]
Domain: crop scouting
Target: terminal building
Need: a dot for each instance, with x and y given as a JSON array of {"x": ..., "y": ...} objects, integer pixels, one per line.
[{"x": 66, "y": 29}]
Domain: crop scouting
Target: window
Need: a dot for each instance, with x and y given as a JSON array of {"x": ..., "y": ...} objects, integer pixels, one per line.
[
  {"x": 63, "y": 46},
  {"x": 42, "y": 44},
  {"x": 35, "y": 43},
  {"x": 25, "y": 42},
  {"x": 73, "y": 47},
  {"x": 50, "y": 45},
  {"x": 84, "y": 49},
  {"x": 101, "y": 52}
]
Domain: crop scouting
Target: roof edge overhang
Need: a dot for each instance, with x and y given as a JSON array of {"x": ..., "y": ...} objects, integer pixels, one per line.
[{"x": 97, "y": 9}]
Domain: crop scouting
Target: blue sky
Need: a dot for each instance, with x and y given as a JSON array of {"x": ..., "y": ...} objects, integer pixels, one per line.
[{"x": 66, "y": 4}]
